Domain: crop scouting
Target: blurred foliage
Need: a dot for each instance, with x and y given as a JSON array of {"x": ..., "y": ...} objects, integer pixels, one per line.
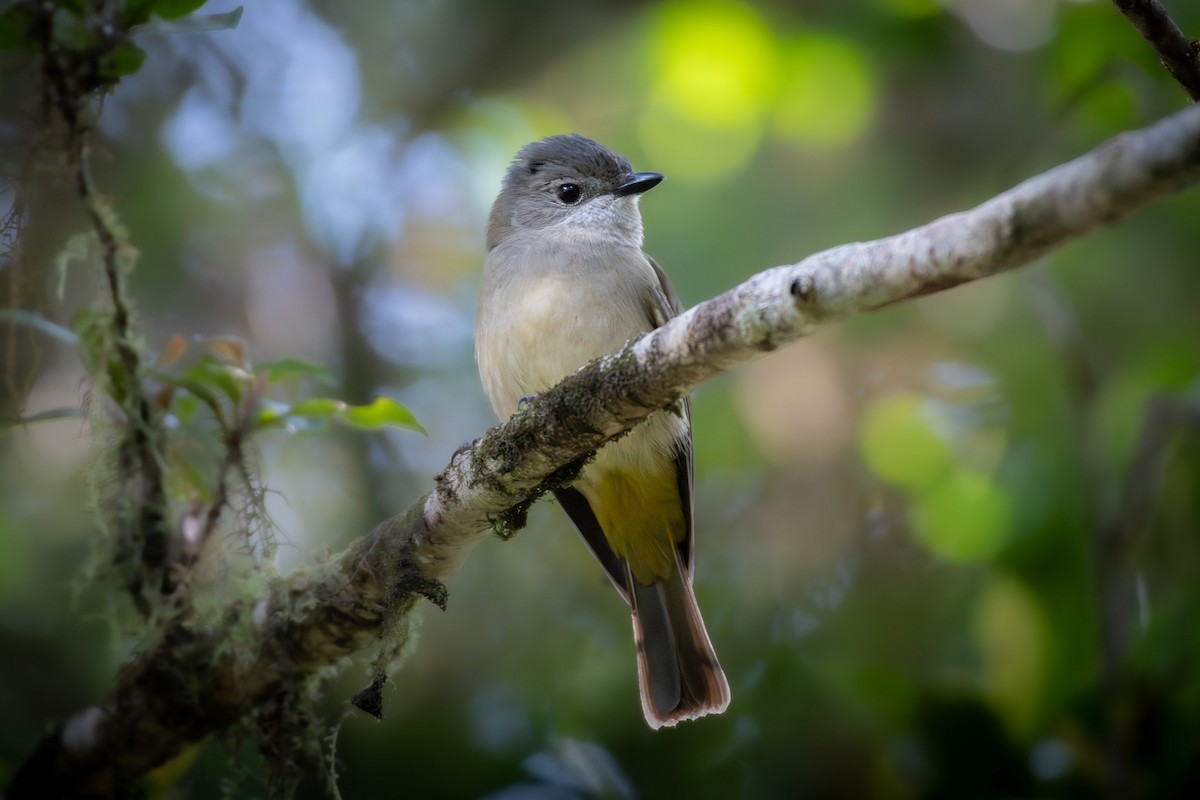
[{"x": 902, "y": 521}]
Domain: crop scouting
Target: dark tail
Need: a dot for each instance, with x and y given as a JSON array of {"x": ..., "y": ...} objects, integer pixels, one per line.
[{"x": 678, "y": 673}]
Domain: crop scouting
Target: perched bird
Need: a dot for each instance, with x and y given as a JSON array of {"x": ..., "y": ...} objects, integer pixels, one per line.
[{"x": 565, "y": 281}]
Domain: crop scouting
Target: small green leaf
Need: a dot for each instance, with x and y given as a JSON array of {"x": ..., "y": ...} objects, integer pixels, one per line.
[
  {"x": 125, "y": 59},
  {"x": 271, "y": 412},
  {"x": 190, "y": 388},
  {"x": 383, "y": 412},
  {"x": 173, "y": 9},
  {"x": 184, "y": 406},
  {"x": 290, "y": 369},
  {"x": 213, "y": 373},
  {"x": 317, "y": 408}
]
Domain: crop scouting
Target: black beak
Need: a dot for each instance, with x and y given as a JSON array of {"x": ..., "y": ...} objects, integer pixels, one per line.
[{"x": 637, "y": 183}]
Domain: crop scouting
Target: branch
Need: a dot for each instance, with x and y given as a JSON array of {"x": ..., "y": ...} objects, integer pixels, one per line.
[
  {"x": 192, "y": 683},
  {"x": 1176, "y": 53},
  {"x": 1164, "y": 420},
  {"x": 143, "y": 540}
]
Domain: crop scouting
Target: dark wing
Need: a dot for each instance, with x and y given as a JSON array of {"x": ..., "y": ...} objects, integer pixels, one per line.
[
  {"x": 668, "y": 305},
  {"x": 577, "y": 508}
]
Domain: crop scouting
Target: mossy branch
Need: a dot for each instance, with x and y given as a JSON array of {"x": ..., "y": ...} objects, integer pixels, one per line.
[
  {"x": 72, "y": 73},
  {"x": 188, "y": 684}
]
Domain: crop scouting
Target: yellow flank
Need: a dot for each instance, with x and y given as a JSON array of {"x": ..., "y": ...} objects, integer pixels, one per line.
[{"x": 641, "y": 515}]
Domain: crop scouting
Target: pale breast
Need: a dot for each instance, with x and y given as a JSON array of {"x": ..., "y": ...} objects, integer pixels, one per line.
[
  {"x": 547, "y": 315},
  {"x": 552, "y": 314}
]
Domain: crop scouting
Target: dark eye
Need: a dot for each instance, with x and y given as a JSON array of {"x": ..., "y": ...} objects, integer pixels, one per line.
[{"x": 569, "y": 193}]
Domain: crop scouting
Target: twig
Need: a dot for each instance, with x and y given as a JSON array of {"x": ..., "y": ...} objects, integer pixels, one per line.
[{"x": 1176, "y": 53}]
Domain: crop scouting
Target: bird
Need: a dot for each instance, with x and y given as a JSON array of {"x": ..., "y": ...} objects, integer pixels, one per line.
[{"x": 565, "y": 281}]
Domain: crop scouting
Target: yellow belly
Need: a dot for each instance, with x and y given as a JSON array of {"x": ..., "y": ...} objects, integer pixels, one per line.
[{"x": 641, "y": 515}]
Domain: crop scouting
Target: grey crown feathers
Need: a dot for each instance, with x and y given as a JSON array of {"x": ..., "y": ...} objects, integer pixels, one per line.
[{"x": 529, "y": 196}]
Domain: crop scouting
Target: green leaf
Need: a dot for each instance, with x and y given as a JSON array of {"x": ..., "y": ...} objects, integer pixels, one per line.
[
  {"x": 193, "y": 389},
  {"x": 125, "y": 59},
  {"x": 38, "y": 323},
  {"x": 290, "y": 369},
  {"x": 184, "y": 405},
  {"x": 173, "y": 9},
  {"x": 212, "y": 373},
  {"x": 383, "y": 412},
  {"x": 271, "y": 412},
  {"x": 316, "y": 408}
]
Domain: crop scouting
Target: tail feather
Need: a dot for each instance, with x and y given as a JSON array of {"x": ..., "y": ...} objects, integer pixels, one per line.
[
  {"x": 678, "y": 673},
  {"x": 658, "y": 665}
]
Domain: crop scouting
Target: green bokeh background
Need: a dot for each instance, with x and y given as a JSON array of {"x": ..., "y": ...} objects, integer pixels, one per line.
[{"x": 898, "y": 518}]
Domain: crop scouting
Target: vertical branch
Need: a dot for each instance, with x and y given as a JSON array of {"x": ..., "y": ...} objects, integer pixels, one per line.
[
  {"x": 1180, "y": 57},
  {"x": 71, "y": 84}
]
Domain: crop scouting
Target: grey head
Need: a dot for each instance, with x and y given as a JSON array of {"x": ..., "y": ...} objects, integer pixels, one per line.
[{"x": 572, "y": 183}]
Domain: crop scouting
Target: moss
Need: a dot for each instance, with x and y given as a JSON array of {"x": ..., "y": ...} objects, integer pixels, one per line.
[{"x": 506, "y": 524}]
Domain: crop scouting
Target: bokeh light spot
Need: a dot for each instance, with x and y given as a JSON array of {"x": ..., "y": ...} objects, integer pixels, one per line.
[
  {"x": 1009, "y": 630},
  {"x": 1015, "y": 25},
  {"x": 715, "y": 62},
  {"x": 899, "y": 443},
  {"x": 829, "y": 92},
  {"x": 965, "y": 517},
  {"x": 794, "y": 404}
]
